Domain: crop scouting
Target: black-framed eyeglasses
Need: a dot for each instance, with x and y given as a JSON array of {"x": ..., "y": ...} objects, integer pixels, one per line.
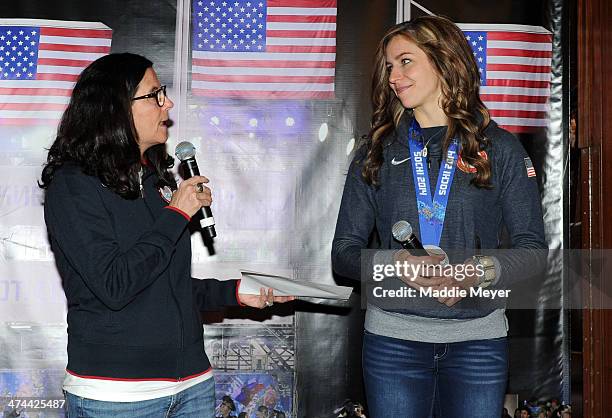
[{"x": 159, "y": 95}]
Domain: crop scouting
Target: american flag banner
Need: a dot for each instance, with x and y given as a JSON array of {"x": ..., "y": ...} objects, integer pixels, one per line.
[
  {"x": 515, "y": 72},
  {"x": 40, "y": 61},
  {"x": 269, "y": 49}
]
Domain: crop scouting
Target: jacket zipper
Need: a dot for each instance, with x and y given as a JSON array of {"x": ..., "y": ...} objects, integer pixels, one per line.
[{"x": 176, "y": 301}]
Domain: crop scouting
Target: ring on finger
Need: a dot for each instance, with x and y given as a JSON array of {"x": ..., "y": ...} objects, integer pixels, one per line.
[
  {"x": 199, "y": 187},
  {"x": 269, "y": 303}
]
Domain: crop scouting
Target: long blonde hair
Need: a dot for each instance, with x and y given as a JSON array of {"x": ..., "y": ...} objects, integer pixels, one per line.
[{"x": 452, "y": 58}]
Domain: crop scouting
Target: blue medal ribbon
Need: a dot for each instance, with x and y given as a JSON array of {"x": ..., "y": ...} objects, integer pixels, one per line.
[{"x": 431, "y": 211}]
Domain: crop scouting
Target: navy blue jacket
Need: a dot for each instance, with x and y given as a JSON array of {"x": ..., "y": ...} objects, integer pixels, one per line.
[
  {"x": 513, "y": 202},
  {"x": 126, "y": 271}
]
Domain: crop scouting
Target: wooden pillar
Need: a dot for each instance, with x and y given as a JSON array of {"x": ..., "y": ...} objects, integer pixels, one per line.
[{"x": 595, "y": 141}]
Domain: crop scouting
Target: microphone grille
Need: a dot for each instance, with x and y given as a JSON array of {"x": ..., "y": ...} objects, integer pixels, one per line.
[
  {"x": 184, "y": 151},
  {"x": 401, "y": 231}
]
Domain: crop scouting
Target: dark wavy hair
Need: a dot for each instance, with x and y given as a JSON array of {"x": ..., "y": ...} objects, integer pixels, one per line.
[
  {"x": 451, "y": 57},
  {"x": 97, "y": 129}
]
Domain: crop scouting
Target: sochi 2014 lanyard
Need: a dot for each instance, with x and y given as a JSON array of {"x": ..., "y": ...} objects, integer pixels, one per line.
[{"x": 431, "y": 211}]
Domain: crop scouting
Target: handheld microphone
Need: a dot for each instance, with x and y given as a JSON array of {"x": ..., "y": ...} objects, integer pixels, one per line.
[
  {"x": 402, "y": 232},
  {"x": 185, "y": 151}
]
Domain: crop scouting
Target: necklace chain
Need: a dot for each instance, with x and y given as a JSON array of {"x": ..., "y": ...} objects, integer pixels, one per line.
[{"x": 429, "y": 140}]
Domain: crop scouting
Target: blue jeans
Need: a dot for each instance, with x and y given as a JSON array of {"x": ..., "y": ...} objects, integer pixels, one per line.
[
  {"x": 412, "y": 379},
  {"x": 196, "y": 402}
]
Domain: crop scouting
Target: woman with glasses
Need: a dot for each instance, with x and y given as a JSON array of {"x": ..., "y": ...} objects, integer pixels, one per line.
[{"x": 117, "y": 225}]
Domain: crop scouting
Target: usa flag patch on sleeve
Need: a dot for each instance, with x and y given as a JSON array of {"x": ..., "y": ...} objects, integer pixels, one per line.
[{"x": 529, "y": 167}]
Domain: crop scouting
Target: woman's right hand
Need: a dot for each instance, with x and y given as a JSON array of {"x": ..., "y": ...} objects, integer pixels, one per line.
[
  {"x": 418, "y": 265},
  {"x": 188, "y": 198}
]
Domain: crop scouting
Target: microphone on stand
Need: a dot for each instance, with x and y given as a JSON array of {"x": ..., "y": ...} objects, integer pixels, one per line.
[
  {"x": 402, "y": 232},
  {"x": 185, "y": 151}
]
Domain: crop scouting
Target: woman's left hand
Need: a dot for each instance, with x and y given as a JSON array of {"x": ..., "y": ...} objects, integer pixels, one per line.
[{"x": 264, "y": 299}]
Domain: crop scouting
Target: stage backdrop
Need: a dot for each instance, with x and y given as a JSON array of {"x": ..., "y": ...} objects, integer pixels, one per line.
[{"x": 274, "y": 94}]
